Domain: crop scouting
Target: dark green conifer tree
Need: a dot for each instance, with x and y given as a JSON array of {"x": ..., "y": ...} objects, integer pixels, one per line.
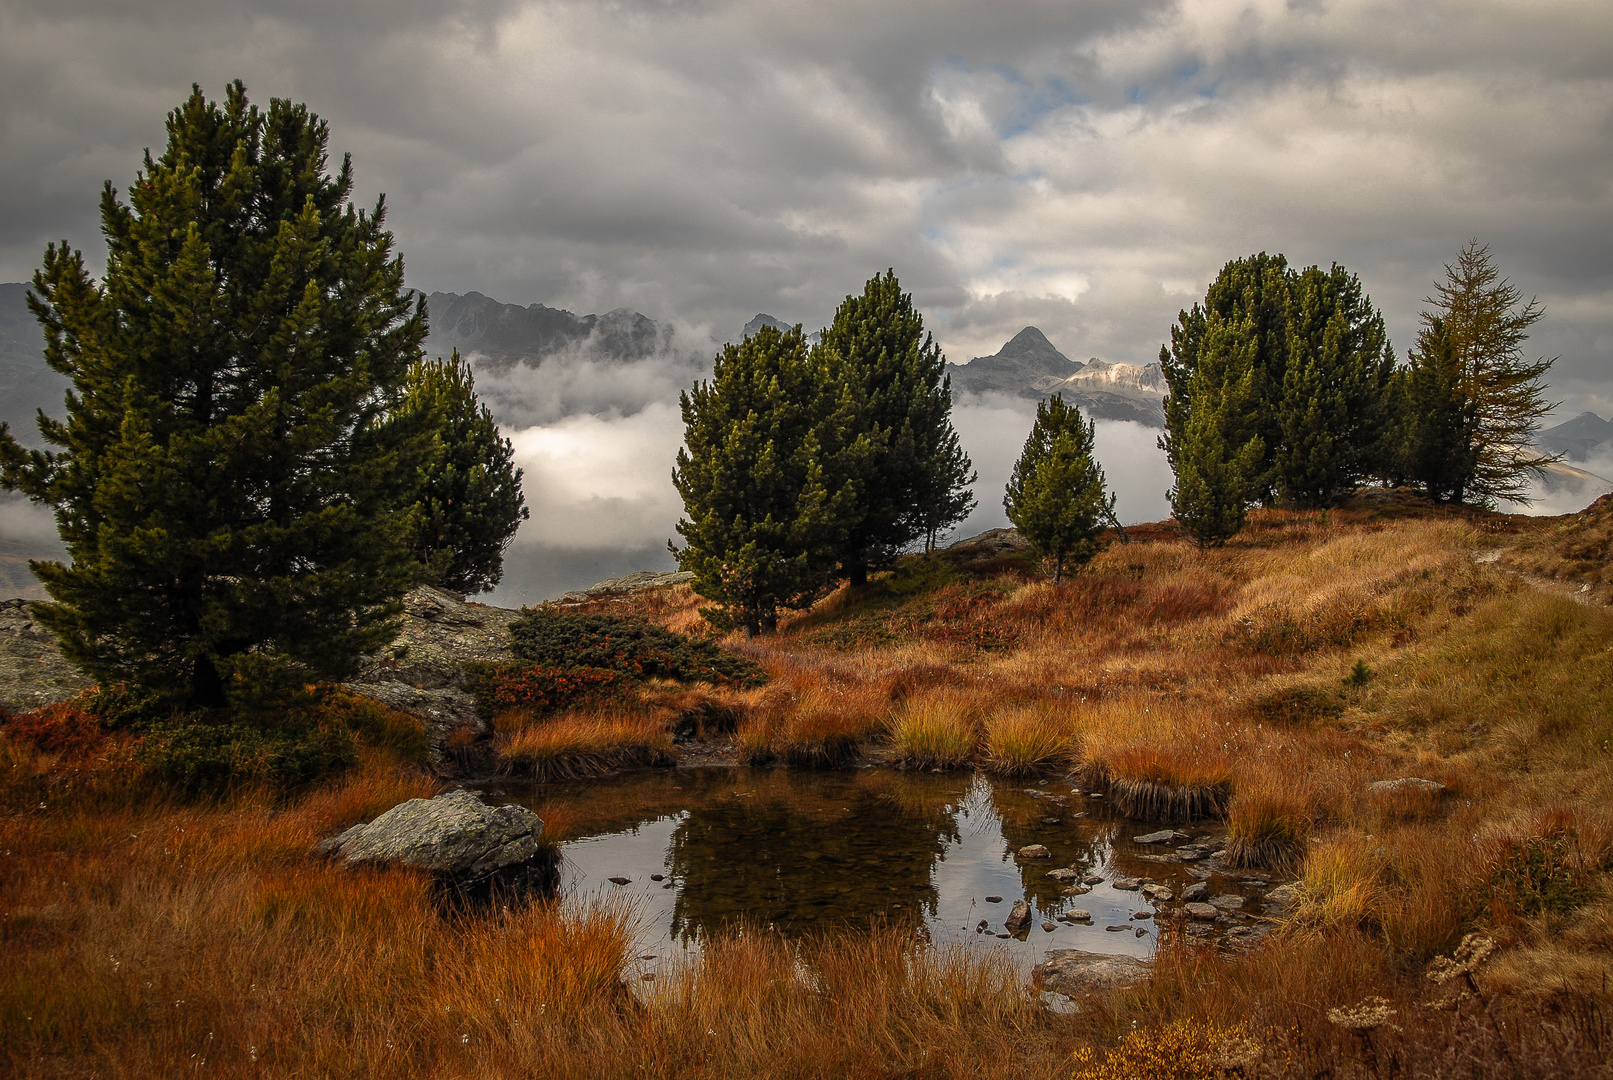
[
  {"x": 761, "y": 531},
  {"x": 1056, "y": 494},
  {"x": 468, "y": 491},
  {"x": 1253, "y": 294},
  {"x": 224, "y": 479},
  {"x": 1331, "y": 404},
  {"x": 1214, "y": 452},
  {"x": 892, "y": 442}
]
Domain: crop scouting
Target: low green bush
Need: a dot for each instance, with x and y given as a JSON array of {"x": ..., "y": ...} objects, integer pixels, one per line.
[
  {"x": 1299, "y": 705},
  {"x": 560, "y": 639}
]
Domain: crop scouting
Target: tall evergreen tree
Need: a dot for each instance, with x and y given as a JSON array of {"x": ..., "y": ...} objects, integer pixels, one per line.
[
  {"x": 224, "y": 480},
  {"x": 1476, "y": 402},
  {"x": 1252, "y": 294},
  {"x": 1320, "y": 368},
  {"x": 1331, "y": 403},
  {"x": 1214, "y": 453},
  {"x": 892, "y": 442},
  {"x": 1438, "y": 420},
  {"x": 761, "y": 527},
  {"x": 1056, "y": 495},
  {"x": 468, "y": 490}
]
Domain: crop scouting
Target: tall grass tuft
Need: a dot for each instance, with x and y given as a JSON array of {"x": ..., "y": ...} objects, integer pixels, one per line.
[
  {"x": 581, "y": 745},
  {"x": 1268, "y": 825},
  {"x": 1162, "y": 784},
  {"x": 1025, "y": 740},
  {"x": 935, "y": 731}
]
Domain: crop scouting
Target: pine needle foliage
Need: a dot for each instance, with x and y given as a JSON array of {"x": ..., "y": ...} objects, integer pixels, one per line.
[
  {"x": 761, "y": 527},
  {"x": 891, "y": 444},
  {"x": 1475, "y": 402},
  {"x": 469, "y": 490},
  {"x": 1056, "y": 495},
  {"x": 1214, "y": 446},
  {"x": 224, "y": 479}
]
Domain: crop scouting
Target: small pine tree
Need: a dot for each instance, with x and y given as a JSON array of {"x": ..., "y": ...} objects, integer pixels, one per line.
[
  {"x": 1440, "y": 420},
  {"x": 888, "y": 433},
  {"x": 468, "y": 491},
  {"x": 1216, "y": 458},
  {"x": 1056, "y": 494},
  {"x": 760, "y": 531},
  {"x": 225, "y": 480}
]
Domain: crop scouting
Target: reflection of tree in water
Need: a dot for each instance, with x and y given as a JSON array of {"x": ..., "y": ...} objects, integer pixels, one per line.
[{"x": 805, "y": 851}]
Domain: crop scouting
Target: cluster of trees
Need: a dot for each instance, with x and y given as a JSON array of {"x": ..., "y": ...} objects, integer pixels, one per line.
[
  {"x": 1285, "y": 390},
  {"x": 805, "y": 464},
  {"x": 256, "y": 458}
]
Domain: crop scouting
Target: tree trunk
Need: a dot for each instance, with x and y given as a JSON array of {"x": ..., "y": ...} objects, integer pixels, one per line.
[
  {"x": 857, "y": 573},
  {"x": 206, "y": 686}
]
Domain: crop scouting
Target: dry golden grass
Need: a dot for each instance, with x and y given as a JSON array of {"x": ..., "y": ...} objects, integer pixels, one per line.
[
  {"x": 937, "y": 730},
  {"x": 1151, "y": 669},
  {"x": 1026, "y": 740},
  {"x": 582, "y": 744}
]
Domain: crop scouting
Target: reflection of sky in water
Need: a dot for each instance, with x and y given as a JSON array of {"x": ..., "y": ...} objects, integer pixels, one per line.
[{"x": 807, "y": 852}]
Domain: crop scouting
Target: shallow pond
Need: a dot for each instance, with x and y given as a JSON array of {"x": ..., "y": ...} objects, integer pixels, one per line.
[{"x": 703, "y": 850}]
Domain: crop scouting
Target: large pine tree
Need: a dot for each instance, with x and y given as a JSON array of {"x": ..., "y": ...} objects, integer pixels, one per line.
[
  {"x": 224, "y": 478},
  {"x": 891, "y": 442},
  {"x": 1331, "y": 403},
  {"x": 1475, "y": 402},
  {"x": 1056, "y": 496},
  {"x": 760, "y": 531},
  {"x": 1215, "y": 451}
]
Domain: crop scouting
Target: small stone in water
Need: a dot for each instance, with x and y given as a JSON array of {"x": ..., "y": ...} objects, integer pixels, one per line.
[
  {"x": 1035, "y": 851},
  {"x": 1117, "y": 928},
  {"x": 994, "y": 899},
  {"x": 1196, "y": 891},
  {"x": 1142, "y": 914},
  {"x": 1156, "y": 837},
  {"x": 648, "y": 956},
  {"x": 1051, "y": 821},
  {"x": 1229, "y": 901},
  {"x": 1077, "y": 915},
  {"x": 1005, "y": 934},
  {"x": 1049, "y": 927},
  {"x": 620, "y": 880},
  {"x": 668, "y": 885},
  {"x": 983, "y": 924},
  {"x": 657, "y": 877},
  {"x": 1130, "y": 884},
  {"x": 1202, "y": 911},
  {"x": 1076, "y": 890}
]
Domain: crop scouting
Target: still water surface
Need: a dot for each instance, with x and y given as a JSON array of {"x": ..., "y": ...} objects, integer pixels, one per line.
[{"x": 806, "y": 852}]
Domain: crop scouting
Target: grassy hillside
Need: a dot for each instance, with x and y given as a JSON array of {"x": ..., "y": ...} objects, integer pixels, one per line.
[{"x": 1269, "y": 683}]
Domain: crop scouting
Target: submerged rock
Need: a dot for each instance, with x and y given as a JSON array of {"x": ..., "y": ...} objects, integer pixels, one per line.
[
  {"x": 456, "y": 838},
  {"x": 1072, "y": 971},
  {"x": 1035, "y": 851}
]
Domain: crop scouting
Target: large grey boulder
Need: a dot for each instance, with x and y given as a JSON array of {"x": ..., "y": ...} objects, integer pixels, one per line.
[
  {"x": 1073, "y": 971},
  {"x": 637, "y": 581},
  {"x": 455, "y": 837}
]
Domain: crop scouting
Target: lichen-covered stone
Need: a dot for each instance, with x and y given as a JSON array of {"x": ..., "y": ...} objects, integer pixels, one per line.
[
  {"x": 454, "y": 835},
  {"x": 1071, "y": 971}
]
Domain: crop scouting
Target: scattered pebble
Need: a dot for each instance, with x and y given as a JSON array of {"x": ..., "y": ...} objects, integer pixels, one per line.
[
  {"x": 1142, "y": 914},
  {"x": 657, "y": 877},
  {"x": 1035, "y": 851},
  {"x": 1092, "y": 879},
  {"x": 620, "y": 880},
  {"x": 1049, "y": 927},
  {"x": 994, "y": 899}
]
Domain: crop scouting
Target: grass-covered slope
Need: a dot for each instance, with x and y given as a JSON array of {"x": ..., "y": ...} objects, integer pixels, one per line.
[{"x": 1268, "y": 683}]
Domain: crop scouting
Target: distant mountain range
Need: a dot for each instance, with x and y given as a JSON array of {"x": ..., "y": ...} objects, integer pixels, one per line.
[
  {"x": 1580, "y": 439},
  {"x": 504, "y": 335},
  {"x": 1029, "y": 366}
]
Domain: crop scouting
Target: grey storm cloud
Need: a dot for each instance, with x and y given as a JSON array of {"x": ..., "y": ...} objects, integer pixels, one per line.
[{"x": 1085, "y": 167}]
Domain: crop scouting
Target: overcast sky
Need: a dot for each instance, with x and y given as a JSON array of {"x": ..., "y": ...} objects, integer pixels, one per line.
[{"x": 1083, "y": 166}]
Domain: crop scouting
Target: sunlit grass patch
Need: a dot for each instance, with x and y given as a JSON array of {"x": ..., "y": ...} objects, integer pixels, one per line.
[
  {"x": 584, "y": 744},
  {"x": 1269, "y": 822},
  {"x": 1024, "y": 740},
  {"x": 935, "y": 731}
]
